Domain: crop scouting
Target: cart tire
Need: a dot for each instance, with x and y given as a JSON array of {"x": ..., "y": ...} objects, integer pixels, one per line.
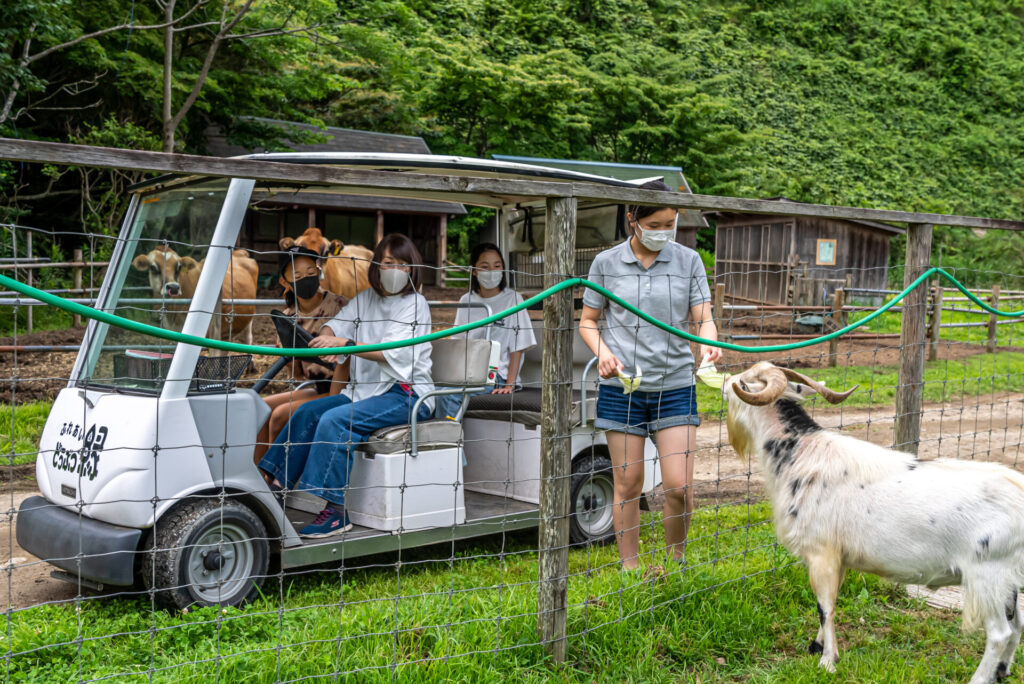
[
  {"x": 206, "y": 553},
  {"x": 591, "y": 493}
]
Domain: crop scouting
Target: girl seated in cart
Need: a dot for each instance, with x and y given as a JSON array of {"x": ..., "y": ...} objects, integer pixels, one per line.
[
  {"x": 312, "y": 306},
  {"x": 489, "y": 285},
  {"x": 315, "y": 449}
]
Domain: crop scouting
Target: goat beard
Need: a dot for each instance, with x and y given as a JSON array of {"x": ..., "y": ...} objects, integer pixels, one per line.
[{"x": 739, "y": 438}]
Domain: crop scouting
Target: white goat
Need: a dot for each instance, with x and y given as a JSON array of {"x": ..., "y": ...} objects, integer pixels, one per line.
[{"x": 842, "y": 503}]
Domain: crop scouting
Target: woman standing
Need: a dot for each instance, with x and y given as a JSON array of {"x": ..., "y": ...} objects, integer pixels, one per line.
[
  {"x": 314, "y": 451},
  {"x": 312, "y": 307},
  {"x": 663, "y": 278},
  {"x": 488, "y": 285}
]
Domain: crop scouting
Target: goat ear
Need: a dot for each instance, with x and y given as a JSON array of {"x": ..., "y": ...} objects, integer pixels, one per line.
[
  {"x": 800, "y": 390},
  {"x": 141, "y": 262},
  {"x": 286, "y": 242}
]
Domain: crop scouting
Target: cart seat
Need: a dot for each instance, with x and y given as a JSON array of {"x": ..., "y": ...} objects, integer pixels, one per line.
[
  {"x": 430, "y": 435},
  {"x": 522, "y": 407}
]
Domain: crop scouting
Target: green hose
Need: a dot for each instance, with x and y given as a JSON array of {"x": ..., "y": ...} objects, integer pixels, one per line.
[{"x": 154, "y": 331}]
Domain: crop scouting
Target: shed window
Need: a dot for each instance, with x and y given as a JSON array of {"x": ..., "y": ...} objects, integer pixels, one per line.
[{"x": 826, "y": 253}]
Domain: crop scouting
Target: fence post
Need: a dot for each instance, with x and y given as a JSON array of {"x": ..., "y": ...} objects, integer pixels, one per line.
[
  {"x": 77, "y": 258},
  {"x": 994, "y": 301},
  {"x": 912, "y": 333},
  {"x": 837, "y": 323},
  {"x": 555, "y": 456},
  {"x": 718, "y": 305},
  {"x": 936, "y": 321},
  {"x": 29, "y": 280}
]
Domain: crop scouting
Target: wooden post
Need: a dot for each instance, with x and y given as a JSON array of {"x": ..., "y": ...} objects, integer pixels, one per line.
[
  {"x": 912, "y": 332},
  {"x": 555, "y": 455},
  {"x": 77, "y": 318},
  {"x": 837, "y": 322},
  {"x": 378, "y": 229},
  {"x": 936, "y": 321},
  {"x": 29, "y": 280},
  {"x": 718, "y": 305},
  {"x": 994, "y": 301},
  {"x": 442, "y": 250}
]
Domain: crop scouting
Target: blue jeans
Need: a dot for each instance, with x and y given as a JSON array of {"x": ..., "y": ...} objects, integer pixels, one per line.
[
  {"x": 314, "y": 450},
  {"x": 448, "y": 404},
  {"x": 644, "y": 413}
]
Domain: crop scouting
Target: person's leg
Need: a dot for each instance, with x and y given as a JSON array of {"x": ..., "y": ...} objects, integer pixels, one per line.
[
  {"x": 265, "y": 437},
  {"x": 627, "y": 454},
  {"x": 284, "y": 411},
  {"x": 286, "y": 458},
  {"x": 340, "y": 431},
  {"x": 675, "y": 445},
  {"x": 674, "y": 422}
]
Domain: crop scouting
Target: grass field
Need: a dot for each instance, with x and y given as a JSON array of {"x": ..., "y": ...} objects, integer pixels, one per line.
[
  {"x": 742, "y": 611},
  {"x": 20, "y": 430}
]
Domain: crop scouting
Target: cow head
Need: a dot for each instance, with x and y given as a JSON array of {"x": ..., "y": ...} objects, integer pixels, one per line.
[
  {"x": 165, "y": 269},
  {"x": 314, "y": 239}
]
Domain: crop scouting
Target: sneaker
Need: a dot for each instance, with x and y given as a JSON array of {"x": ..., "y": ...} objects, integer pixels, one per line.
[
  {"x": 278, "y": 492},
  {"x": 327, "y": 523}
]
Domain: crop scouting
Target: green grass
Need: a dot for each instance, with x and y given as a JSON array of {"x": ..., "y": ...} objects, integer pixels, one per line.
[
  {"x": 1006, "y": 335},
  {"x": 28, "y": 422},
  {"x": 748, "y": 617},
  {"x": 944, "y": 381}
]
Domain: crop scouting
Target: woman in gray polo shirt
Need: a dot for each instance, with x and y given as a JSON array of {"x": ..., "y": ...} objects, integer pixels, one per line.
[{"x": 666, "y": 280}]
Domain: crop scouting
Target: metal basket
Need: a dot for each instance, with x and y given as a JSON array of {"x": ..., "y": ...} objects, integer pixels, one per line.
[{"x": 219, "y": 373}]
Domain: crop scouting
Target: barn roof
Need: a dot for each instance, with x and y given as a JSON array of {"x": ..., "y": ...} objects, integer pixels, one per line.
[
  {"x": 333, "y": 139},
  {"x": 875, "y": 225}
]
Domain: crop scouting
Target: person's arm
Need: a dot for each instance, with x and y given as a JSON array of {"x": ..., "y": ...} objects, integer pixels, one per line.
[
  {"x": 701, "y": 315},
  {"x": 514, "y": 361},
  {"x": 340, "y": 378},
  {"x": 326, "y": 339},
  {"x": 607, "y": 364}
]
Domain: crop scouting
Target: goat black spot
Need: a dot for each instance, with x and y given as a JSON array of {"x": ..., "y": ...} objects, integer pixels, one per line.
[
  {"x": 1001, "y": 671},
  {"x": 794, "y": 418},
  {"x": 794, "y": 486},
  {"x": 846, "y": 473},
  {"x": 862, "y": 486},
  {"x": 911, "y": 466},
  {"x": 983, "y": 543},
  {"x": 821, "y": 615},
  {"x": 792, "y": 511},
  {"x": 931, "y": 521},
  {"x": 1011, "y": 607},
  {"x": 815, "y": 648},
  {"x": 781, "y": 451}
]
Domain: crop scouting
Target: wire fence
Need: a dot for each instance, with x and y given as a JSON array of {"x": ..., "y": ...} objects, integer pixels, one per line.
[{"x": 134, "y": 463}]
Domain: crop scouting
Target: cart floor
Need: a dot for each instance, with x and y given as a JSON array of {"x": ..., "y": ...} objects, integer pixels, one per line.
[{"x": 485, "y": 514}]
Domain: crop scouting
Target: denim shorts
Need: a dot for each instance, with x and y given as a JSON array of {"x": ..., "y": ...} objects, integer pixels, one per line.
[{"x": 644, "y": 413}]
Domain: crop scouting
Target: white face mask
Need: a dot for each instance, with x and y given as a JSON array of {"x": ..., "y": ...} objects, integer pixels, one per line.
[
  {"x": 489, "y": 279},
  {"x": 393, "y": 280},
  {"x": 655, "y": 240}
]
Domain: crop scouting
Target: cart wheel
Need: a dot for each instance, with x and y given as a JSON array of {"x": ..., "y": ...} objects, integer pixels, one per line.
[
  {"x": 203, "y": 552},
  {"x": 590, "y": 495}
]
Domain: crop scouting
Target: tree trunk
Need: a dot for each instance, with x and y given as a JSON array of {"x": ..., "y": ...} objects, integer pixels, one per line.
[{"x": 168, "y": 121}]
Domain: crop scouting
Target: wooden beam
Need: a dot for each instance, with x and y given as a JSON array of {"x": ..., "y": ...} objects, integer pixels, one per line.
[
  {"x": 934, "y": 325},
  {"x": 442, "y": 249},
  {"x": 910, "y": 384},
  {"x": 990, "y": 344},
  {"x": 466, "y": 189},
  {"x": 555, "y": 454},
  {"x": 837, "y": 323}
]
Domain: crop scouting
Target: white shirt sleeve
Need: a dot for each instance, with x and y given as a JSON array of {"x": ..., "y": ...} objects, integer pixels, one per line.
[{"x": 523, "y": 337}]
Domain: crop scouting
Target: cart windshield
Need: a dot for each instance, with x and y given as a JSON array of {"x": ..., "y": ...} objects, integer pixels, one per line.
[{"x": 152, "y": 281}]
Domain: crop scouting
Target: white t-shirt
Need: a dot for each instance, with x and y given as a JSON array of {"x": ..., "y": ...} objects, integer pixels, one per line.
[
  {"x": 514, "y": 333},
  {"x": 370, "y": 319}
]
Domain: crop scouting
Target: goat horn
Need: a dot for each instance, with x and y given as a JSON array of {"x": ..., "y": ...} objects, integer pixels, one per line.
[
  {"x": 827, "y": 394},
  {"x": 776, "y": 385}
]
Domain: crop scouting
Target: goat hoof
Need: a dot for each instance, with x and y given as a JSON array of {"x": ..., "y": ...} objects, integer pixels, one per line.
[
  {"x": 1002, "y": 672},
  {"x": 815, "y": 648}
]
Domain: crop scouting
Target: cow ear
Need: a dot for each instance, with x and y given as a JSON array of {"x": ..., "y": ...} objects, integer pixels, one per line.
[
  {"x": 286, "y": 242},
  {"x": 141, "y": 262},
  {"x": 187, "y": 264},
  {"x": 335, "y": 247}
]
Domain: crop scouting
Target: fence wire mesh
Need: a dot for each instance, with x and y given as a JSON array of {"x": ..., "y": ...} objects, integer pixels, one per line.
[{"x": 207, "y": 578}]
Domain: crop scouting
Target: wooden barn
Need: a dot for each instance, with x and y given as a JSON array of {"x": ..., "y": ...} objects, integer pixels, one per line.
[
  {"x": 353, "y": 219},
  {"x": 798, "y": 259}
]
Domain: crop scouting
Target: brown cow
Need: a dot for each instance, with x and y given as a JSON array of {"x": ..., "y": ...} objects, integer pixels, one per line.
[
  {"x": 345, "y": 266},
  {"x": 171, "y": 275}
]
